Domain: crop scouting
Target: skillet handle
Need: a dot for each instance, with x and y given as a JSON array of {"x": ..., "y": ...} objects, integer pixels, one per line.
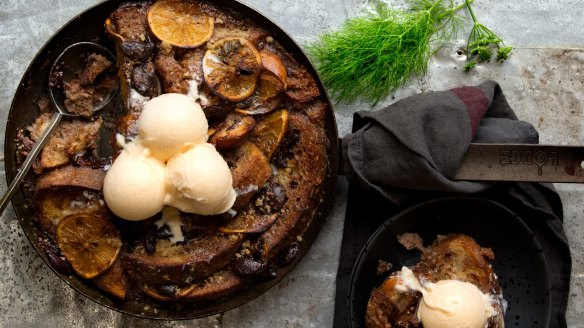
[
  {"x": 522, "y": 162},
  {"x": 32, "y": 155}
]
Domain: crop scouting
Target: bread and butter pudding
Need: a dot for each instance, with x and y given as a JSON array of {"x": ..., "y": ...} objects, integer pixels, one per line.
[
  {"x": 220, "y": 156},
  {"x": 453, "y": 285}
]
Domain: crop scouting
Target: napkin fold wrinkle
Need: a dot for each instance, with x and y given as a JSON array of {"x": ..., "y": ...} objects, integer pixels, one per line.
[{"x": 410, "y": 151}]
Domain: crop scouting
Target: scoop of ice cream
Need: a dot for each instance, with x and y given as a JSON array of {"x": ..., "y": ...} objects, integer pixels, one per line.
[
  {"x": 454, "y": 304},
  {"x": 199, "y": 181},
  {"x": 171, "y": 123},
  {"x": 133, "y": 187}
]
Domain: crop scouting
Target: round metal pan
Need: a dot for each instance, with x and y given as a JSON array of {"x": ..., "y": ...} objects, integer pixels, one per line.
[
  {"x": 88, "y": 26},
  {"x": 519, "y": 262}
]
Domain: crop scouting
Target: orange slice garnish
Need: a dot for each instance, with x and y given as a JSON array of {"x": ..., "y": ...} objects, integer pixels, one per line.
[
  {"x": 232, "y": 131},
  {"x": 231, "y": 67},
  {"x": 270, "y": 131},
  {"x": 269, "y": 85},
  {"x": 266, "y": 98},
  {"x": 180, "y": 23},
  {"x": 272, "y": 63},
  {"x": 90, "y": 243}
]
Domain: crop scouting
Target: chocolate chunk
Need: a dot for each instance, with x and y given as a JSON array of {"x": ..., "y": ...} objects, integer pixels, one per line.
[
  {"x": 272, "y": 199},
  {"x": 246, "y": 266},
  {"x": 288, "y": 255},
  {"x": 136, "y": 50},
  {"x": 150, "y": 239},
  {"x": 144, "y": 80}
]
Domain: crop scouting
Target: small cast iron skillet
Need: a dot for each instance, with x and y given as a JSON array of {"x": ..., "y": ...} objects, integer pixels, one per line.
[
  {"x": 89, "y": 26},
  {"x": 519, "y": 262}
]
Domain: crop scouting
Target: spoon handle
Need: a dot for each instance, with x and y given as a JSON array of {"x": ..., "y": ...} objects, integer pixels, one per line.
[{"x": 32, "y": 155}]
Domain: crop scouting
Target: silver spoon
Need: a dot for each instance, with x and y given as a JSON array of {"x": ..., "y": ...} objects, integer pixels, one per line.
[{"x": 69, "y": 62}]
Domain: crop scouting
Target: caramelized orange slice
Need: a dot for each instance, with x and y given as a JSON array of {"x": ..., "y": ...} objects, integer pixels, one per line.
[
  {"x": 388, "y": 286},
  {"x": 180, "y": 23},
  {"x": 272, "y": 63},
  {"x": 231, "y": 67},
  {"x": 270, "y": 131},
  {"x": 266, "y": 98},
  {"x": 269, "y": 85},
  {"x": 90, "y": 243},
  {"x": 232, "y": 131}
]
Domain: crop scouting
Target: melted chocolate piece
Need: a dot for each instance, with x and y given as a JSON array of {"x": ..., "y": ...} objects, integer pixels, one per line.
[
  {"x": 144, "y": 80},
  {"x": 246, "y": 266},
  {"x": 288, "y": 255},
  {"x": 136, "y": 50}
]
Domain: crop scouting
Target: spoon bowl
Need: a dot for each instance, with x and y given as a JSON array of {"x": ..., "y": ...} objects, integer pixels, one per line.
[
  {"x": 68, "y": 65},
  {"x": 65, "y": 68}
]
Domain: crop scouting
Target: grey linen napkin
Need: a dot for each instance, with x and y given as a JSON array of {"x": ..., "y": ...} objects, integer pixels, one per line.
[
  {"x": 410, "y": 151},
  {"x": 418, "y": 142}
]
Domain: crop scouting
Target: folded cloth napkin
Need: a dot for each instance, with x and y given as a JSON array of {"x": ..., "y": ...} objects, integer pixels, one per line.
[{"x": 410, "y": 151}]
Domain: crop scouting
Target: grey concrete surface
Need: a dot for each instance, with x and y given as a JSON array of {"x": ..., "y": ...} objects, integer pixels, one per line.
[{"x": 543, "y": 80}]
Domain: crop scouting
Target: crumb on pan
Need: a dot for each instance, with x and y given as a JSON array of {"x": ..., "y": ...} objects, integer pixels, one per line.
[{"x": 411, "y": 241}]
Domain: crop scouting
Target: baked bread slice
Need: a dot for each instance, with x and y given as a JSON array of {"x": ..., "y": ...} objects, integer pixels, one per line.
[
  {"x": 74, "y": 190},
  {"x": 68, "y": 190},
  {"x": 114, "y": 281},
  {"x": 181, "y": 263},
  {"x": 71, "y": 138},
  {"x": 302, "y": 170},
  {"x": 217, "y": 286}
]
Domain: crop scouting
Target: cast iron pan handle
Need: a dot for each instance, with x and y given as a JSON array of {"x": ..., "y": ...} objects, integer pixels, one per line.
[{"x": 522, "y": 162}]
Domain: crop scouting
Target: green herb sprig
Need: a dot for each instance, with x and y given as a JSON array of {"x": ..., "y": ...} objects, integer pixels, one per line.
[
  {"x": 373, "y": 55},
  {"x": 482, "y": 41}
]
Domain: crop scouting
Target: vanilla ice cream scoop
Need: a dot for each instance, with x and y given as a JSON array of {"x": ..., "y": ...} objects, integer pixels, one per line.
[
  {"x": 454, "y": 304},
  {"x": 133, "y": 187},
  {"x": 199, "y": 181},
  {"x": 169, "y": 163},
  {"x": 171, "y": 123}
]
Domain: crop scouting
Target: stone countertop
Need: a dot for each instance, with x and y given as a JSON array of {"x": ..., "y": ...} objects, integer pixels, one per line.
[{"x": 543, "y": 81}]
